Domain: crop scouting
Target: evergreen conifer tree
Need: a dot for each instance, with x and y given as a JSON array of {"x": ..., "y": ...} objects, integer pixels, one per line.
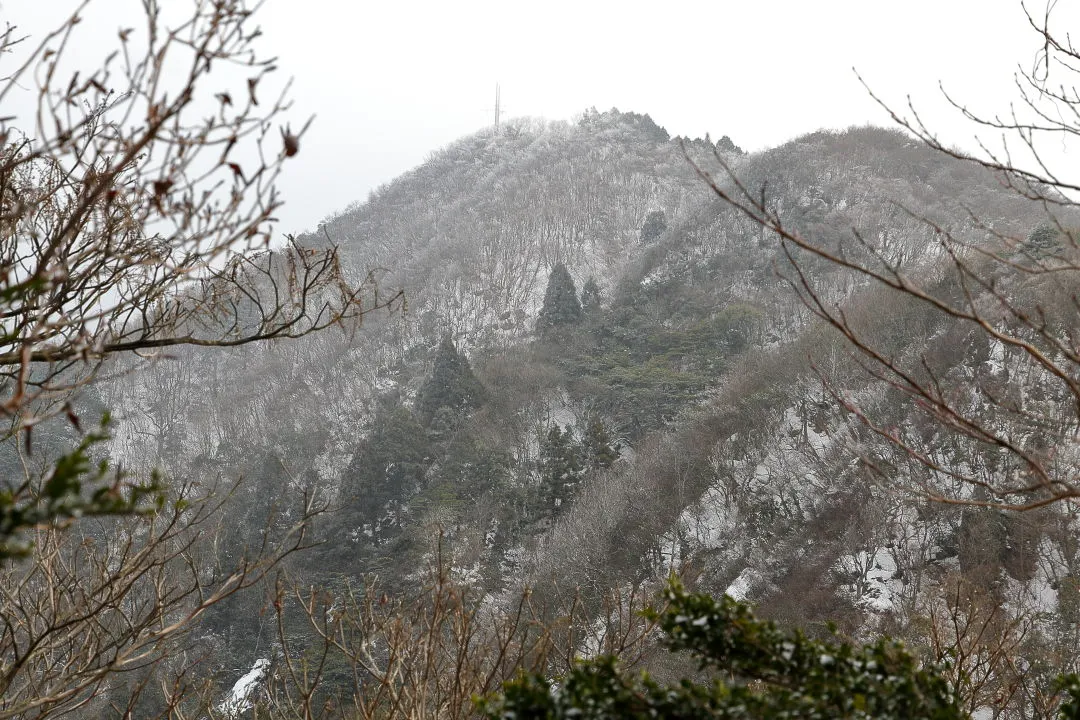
[
  {"x": 654, "y": 226},
  {"x": 1043, "y": 240},
  {"x": 441, "y": 427},
  {"x": 599, "y": 453},
  {"x": 387, "y": 469},
  {"x": 561, "y": 307},
  {"x": 473, "y": 468},
  {"x": 560, "y": 468},
  {"x": 727, "y": 146},
  {"x": 452, "y": 385},
  {"x": 590, "y": 299}
]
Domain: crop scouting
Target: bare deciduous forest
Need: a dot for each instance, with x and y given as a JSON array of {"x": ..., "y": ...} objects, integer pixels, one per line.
[{"x": 573, "y": 419}]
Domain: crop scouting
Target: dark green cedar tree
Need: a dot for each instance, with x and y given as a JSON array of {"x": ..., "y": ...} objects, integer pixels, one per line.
[
  {"x": 561, "y": 308},
  {"x": 1043, "y": 240},
  {"x": 561, "y": 468},
  {"x": 591, "y": 299},
  {"x": 597, "y": 447},
  {"x": 386, "y": 470},
  {"x": 654, "y": 226},
  {"x": 452, "y": 385}
]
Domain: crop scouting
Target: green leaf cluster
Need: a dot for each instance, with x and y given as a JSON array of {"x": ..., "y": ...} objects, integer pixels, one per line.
[
  {"x": 76, "y": 487},
  {"x": 1069, "y": 685},
  {"x": 757, "y": 669}
]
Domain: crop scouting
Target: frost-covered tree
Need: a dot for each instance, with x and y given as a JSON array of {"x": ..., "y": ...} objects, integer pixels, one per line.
[
  {"x": 726, "y": 145},
  {"x": 643, "y": 125},
  {"x": 561, "y": 307}
]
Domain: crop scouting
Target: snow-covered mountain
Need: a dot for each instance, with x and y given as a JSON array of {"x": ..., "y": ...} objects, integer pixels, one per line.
[{"x": 681, "y": 421}]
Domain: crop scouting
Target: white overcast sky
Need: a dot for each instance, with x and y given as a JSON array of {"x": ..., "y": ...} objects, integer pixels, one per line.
[{"x": 389, "y": 82}]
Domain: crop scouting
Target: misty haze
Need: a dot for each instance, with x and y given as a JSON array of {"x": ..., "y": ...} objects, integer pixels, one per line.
[{"x": 580, "y": 362}]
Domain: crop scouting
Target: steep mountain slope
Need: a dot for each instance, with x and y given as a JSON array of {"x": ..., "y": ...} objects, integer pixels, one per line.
[
  {"x": 473, "y": 232},
  {"x": 678, "y": 424}
]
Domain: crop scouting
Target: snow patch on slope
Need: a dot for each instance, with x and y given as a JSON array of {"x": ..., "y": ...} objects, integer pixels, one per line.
[
  {"x": 239, "y": 699},
  {"x": 872, "y": 581},
  {"x": 740, "y": 588}
]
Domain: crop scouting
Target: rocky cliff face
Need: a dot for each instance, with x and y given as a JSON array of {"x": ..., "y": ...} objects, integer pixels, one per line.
[{"x": 689, "y": 420}]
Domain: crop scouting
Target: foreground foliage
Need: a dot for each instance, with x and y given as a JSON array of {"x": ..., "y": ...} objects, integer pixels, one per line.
[
  {"x": 132, "y": 220},
  {"x": 75, "y": 487},
  {"x": 761, "y": 672}
]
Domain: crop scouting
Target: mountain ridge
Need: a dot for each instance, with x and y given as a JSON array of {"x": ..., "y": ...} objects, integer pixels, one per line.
[{"x": 712, "y": 382}]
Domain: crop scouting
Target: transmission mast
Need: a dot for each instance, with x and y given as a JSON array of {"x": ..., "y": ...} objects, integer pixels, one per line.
[{"x": 498, "y": 105}]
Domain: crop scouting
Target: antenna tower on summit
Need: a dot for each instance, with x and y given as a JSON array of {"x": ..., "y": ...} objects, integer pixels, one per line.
[{"x": 498, "y": 105}]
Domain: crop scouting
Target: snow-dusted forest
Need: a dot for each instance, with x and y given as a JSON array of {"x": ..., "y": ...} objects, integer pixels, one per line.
[{"x": 476, "y": 423}]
